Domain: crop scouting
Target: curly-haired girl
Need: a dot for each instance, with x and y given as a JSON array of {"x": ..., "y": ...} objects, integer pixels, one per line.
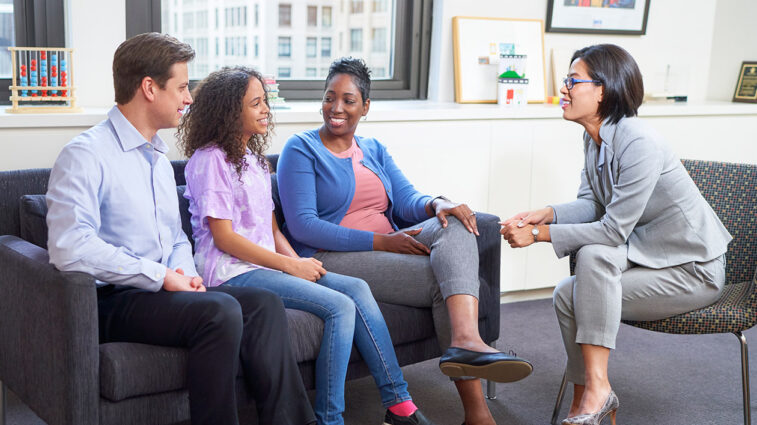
[{"x": 238, "y": 242}]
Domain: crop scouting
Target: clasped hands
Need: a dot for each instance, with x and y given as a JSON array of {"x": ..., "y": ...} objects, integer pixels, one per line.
[
  {"x": 516, "y": 230},
  {"x": 403, "y": 242}
]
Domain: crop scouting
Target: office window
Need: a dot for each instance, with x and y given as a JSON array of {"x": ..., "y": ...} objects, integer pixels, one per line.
[
  {"x": 285, "y": 47},
  {"x": 396, "y": 39},
  {"x": 312, "y": 16},
  {"x": 285, "y": 72},
  {"x": 310, "y": 73},
  {"x": 310, "y": 47},
  {"x": 202, "y": 19},
  {"x": 356, "y": 6},
  {"x": 326, "y": 47},
  {"x": 7, "y": 38},
  {"x": 378, "y": 40},
  {"x": 285, "y": 15},
  {"x": 326, "y": 16},
  {"x": 356, "y": 40}
]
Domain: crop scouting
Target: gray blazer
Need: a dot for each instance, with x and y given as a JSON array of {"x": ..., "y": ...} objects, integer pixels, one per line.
[{"x": 651, "y": 204}]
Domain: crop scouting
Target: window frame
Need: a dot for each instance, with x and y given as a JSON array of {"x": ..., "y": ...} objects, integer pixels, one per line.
[
  {"x": 410, "y": 63},
  {"x": 37, "y": 23}
]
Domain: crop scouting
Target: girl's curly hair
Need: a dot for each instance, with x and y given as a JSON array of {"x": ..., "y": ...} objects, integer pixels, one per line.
[{"x": 213, "y": 117}]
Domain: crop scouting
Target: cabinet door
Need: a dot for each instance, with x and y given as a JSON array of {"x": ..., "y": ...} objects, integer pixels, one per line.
[{"x": 555, "y": 177}]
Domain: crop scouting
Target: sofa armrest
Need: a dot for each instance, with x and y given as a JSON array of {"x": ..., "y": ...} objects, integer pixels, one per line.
[
  {"x": 48, "y": 335},
  {"x": 489, "y": 253}
]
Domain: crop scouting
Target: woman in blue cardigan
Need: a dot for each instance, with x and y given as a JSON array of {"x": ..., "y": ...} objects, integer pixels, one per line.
[{"x": 341, "y": 193}]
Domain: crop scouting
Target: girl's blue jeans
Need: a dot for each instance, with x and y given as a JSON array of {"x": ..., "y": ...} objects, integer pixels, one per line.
[{"x": 348, "y": 309}]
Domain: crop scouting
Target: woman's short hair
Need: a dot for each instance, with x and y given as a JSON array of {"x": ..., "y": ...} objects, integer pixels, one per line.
[
  {"x": 620, "y": 76},
  {"x": 355, "y": 68},
  {"x": 150, "y": 54}
]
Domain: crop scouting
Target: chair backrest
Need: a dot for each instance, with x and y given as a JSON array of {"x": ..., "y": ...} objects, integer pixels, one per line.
[{"x": 731, "y": 190}]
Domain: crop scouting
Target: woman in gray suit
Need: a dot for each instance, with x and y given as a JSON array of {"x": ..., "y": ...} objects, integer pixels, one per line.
[{"x": 648, "y": 245}]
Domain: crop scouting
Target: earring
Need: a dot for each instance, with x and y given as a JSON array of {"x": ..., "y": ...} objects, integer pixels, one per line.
[
  {"x": 320, "y": 111},
  {"x": 365, "y": 117}
]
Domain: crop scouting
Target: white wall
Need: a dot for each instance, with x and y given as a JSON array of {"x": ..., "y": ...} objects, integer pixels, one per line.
[
  {"x": 679, "y": 34},
  {"x": 734, "y": 41}
]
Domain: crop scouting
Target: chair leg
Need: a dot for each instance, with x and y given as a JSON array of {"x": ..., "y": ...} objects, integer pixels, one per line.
[
  {"x": 745, "y": 377},
  {"x": 491, "y": 390},
  {"x": 2, "y": 403},
  {"x": 560, "y": 396}
]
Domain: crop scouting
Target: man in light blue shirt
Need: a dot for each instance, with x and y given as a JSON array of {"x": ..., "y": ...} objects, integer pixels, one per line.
[{"x": 114, "y": 213}]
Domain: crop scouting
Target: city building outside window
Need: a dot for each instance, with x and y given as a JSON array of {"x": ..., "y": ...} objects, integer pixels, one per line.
[
  {"x": 356, "y": 6},
  {"x": 326, "y": 47},
  {"x": 285, "y": 47},
  {"x": 356, "y": 39},
  {"x": 7, "y": 37},
  {"x": 285, "y": 15},
  {"x": 284, "y": 72},
  {"x": 378, "y": 40},
  {"x": 286, "y": 36},
  {"x": 326, "y": 16},
  {"x": 310, "y": 47},
  {"x": 312, "y": 16}
]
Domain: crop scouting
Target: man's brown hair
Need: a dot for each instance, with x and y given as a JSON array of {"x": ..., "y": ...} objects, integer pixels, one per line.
[{"x": 146, "y": 55}]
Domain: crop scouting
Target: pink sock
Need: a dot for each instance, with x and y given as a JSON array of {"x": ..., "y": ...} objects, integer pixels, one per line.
[{"x": 406, "y": 408}]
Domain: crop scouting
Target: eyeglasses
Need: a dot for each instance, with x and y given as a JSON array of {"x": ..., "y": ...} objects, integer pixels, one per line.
[{"x": 570, "y": 82}]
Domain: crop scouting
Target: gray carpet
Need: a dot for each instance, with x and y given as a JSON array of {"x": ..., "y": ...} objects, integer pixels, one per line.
[{"x": 660, "y": 379}]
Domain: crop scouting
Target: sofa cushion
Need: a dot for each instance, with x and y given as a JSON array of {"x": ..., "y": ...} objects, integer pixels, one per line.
[
  {"x": 32, "y": 210},
  {"x": 130, "y": 369}
]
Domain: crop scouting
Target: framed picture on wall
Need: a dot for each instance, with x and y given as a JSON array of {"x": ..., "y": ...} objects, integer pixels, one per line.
[
  {"x": 625, "y": 17},
  {"x": 478, "y": 41},
  {"x": 746, "y": 86}
]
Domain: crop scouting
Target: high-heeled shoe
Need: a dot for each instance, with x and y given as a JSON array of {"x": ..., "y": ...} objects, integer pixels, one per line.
[{"x": 609, "y": 408}]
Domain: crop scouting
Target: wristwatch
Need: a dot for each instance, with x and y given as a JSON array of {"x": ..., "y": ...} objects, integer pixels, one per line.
[{"x": 535, "y": 232}]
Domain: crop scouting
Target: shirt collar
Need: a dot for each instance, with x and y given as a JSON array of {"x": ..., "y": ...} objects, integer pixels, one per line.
[{"x": 128, "y": 136}]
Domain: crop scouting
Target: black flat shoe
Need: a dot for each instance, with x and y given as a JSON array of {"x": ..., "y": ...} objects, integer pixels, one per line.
[
  {"x": 497, "y": 367},
  {"x": 416, "y": 418}
]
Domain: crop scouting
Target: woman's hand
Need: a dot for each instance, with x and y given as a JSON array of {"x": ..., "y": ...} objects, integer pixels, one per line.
[
  {"x": 541, "y": 216},
  {"x": 400, "y": 242},
  {"x": 462, "y": 212},
  {"x": 518, "y": 237},
  {"x": 305, "y": 268}
]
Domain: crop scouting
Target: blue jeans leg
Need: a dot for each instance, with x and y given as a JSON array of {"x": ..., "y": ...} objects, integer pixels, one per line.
[
  {"x": 338, "y": 314},
  {"x": 372, "y": 338}
]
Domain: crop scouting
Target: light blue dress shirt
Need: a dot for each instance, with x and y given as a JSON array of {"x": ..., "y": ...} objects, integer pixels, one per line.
[{"x": 113, "y": 211}]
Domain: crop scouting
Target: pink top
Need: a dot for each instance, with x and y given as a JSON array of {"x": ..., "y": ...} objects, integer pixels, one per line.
[{"x": 366, "y": 212}]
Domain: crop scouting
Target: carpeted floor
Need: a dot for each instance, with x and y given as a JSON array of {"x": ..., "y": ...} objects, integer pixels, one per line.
[{"x": 660, "y": 379}]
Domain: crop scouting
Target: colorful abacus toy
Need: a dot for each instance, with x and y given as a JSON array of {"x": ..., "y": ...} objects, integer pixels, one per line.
[{"x": 42, "y": 80}]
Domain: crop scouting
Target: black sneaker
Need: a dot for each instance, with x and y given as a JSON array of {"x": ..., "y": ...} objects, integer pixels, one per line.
[{"x": 416, "y": 418}]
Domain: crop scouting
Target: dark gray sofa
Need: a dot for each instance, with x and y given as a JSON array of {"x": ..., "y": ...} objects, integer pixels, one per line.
[{"x": 51, "y": 358}]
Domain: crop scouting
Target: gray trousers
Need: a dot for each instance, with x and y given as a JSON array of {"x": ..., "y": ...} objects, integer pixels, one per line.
[
  {"x": 607, "y": 288},
  {"x": 418, "y": 280}
]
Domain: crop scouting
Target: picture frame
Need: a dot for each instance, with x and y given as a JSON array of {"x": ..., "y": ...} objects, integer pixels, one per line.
[
  {"x": 746, "y": 85},
  {"x": 622, "y": 17},
  {"x": 472, "y": 40}
]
